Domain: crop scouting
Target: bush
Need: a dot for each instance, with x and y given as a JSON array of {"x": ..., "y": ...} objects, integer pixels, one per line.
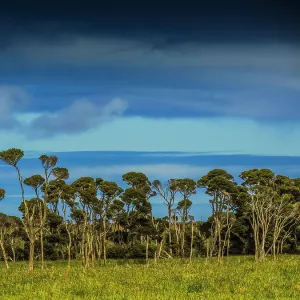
[
  {"x": 116, "y": 251},
  {"x": 139, "y": 251}
]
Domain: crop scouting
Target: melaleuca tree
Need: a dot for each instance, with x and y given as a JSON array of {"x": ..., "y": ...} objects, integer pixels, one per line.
[
  {"x": 38, "y": 184},
  {"x": 31, "y": 223},
  {"x": 12, "y": 157},
  {"x": 286, "y": 209},
  {"x": 86, "y": 196},
  {"x": 167, "y": 191},
  {"x": 258, "y": 200},
  {"x": 138, "y": 212},
  {"x": 49, "y": 165},
  {"x": 35, "y": 182},
  {"x": 183, "y": 209},
  {"x": 140, "y": 191},
  {"x": 140, "y": 221},
  {"x": 60, "y": 192},
  {"x": 186, "y": 187},
  {"x": 222, "y": 188},
  {"x": 109, "y": 192}
]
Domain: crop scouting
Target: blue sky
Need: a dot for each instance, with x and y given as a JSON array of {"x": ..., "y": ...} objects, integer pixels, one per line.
[{"x": 204, "y": 79}]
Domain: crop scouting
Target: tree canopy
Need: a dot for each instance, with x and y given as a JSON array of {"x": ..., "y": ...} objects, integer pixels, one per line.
[{"x": 94, "y": 219}]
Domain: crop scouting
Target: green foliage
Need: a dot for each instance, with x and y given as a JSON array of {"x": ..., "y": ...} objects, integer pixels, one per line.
[
  {"x": 217, "y": 181},
  {"x": 11, "y": 156},
  {"x": 185, "y": 186},
  {"x": 135, "y": 179},
  {"x": 2, "y": 194},
  {"x": 48, "y": 162},
  {"x": 35, "y": 182},
  {"x": 60, "y": 173}
]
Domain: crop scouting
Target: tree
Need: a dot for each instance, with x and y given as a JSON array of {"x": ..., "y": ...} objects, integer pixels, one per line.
[
  {"x": 86, "y": 193},
  {"x": 49, "y": 163},
  {"x": 285, "y": 208},
  {"x": 186, "y": 187},
  {"x": 138, "y": 207},
  {"x": 35, "y": 182},
  {"x": 12, "y": 157},
  {"x": 258, "y": 197},
  {"x": 167, "y": 192},
  {"x": 221, "y": 187},
  {"x": 59, "y": 191},
  {"x": 109, "y": 191}
]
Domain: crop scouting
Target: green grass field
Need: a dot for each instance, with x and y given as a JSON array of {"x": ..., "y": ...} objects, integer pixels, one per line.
[{"x": 236, "y": 278}]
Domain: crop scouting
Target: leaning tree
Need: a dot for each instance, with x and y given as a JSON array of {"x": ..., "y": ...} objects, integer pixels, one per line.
[{"x": 12, "y": 157}]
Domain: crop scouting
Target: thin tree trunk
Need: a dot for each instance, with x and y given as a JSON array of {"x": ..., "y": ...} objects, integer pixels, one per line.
[
  {"x": 104, "y": 242},
  {"x": 69, "y": 248},
  {"x": 192, "y": 241},
  {"x": 42, "y": 247},
  {"x": 160, "y": 249},
  {"x": 13, "y": 253},
  {"x": 170, "y": 233},
  {"x": 4, "y": 255},
  {"x": 31, "y": 254},
  {"x": 147, "y": 250},
  {"x": 28, "y": 220},
  {"x": 228, "y": 243}
]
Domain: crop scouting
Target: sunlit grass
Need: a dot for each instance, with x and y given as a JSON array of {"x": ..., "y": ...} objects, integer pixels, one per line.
[{"x": 236, "y": 278}]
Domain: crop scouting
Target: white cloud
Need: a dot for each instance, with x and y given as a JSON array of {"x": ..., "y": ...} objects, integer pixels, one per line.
[{"x": 80, "y": 116}]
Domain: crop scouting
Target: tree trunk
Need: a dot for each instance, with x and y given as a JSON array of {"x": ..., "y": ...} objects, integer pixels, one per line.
[
  {"x": 42, "y": 247},
  {"x": 192, "y": 241},
  {"x": 4, "y": 255},
  {"x": 228, "y": 243},
  {"x": 13, "y": 253},
  {"x": 69, "y": 248},
  {"x": 147, "y": 250},
  {"x": 104, "y": 242},
  {"x": 31, "y": 254},
  {"x": 160, "y": 249},
  {"x": 170, "y": 233}
]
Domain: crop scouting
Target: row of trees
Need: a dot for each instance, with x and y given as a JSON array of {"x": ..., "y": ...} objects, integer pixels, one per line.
[{"x": 93, "y": 219}]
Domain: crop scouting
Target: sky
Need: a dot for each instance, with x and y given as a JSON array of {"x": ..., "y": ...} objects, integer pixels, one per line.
[{"x": 165, "y": 88}]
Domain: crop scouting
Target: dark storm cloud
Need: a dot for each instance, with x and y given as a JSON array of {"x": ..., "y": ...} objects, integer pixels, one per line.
[
  {"x": 177, "y": 20},
  {"x": 151, "y": 33},
  {"x": 125, "y": 32},
  {"x": 167, "y": 59}
]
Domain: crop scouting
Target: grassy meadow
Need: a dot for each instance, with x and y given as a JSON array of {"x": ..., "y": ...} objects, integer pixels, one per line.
[{"x": 236, "y": 278}]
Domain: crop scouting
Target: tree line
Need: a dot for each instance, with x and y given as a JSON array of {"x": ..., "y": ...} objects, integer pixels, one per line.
[{"x": 92, "y": 219}]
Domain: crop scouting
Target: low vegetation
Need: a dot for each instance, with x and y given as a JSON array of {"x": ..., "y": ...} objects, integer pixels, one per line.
[{"x": 236, "y": 278}]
